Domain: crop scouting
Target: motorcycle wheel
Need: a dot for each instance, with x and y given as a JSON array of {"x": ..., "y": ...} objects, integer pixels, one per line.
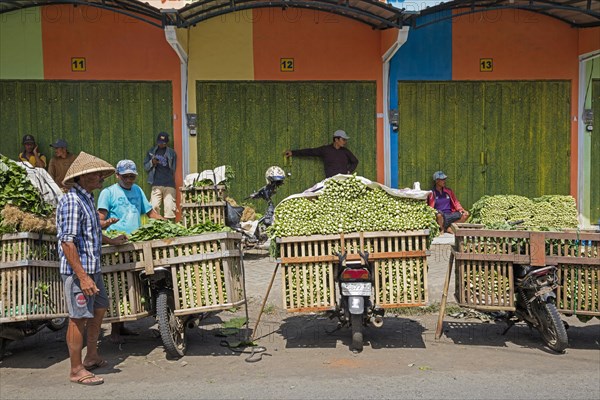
[
  {"x": 172, "y": 328},
  {"x": 356, "y": 327},
  {"x": 551, "y": 326},
  {"x": 56, "y": 324},
  {"x": 3, "y": 343}
]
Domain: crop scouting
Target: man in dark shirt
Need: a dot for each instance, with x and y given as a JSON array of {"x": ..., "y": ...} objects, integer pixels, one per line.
[{"x": 337, "y": 159}]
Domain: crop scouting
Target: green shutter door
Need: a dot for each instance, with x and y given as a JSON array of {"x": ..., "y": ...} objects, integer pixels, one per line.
[
  {"x": 111, "y": 120},
  {"x": 489, "y": 137},
  {"x": 595, "y": 156},
  {"x": 249, "y": 125}
]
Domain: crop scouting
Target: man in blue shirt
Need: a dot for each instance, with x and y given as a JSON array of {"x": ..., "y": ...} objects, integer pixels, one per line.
[
  {"x": 126, "y": 202},
  {"x": 79, "y": 247}
]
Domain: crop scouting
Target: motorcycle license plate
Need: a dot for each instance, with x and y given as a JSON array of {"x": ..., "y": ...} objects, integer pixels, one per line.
[{"x": 356, "y": 288}]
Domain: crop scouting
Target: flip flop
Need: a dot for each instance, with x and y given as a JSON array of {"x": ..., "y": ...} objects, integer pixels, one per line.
[
  {"x": 99, "y": 364},
  {"x": 87, "y": 380}
]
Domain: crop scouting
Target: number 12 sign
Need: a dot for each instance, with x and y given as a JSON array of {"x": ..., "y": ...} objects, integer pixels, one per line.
[{"x": 286, "y": 64}]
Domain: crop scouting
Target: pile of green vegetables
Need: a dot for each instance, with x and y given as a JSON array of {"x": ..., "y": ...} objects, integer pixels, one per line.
[
  {"x": 349, "y": 206},
  {"x": 229, "y": 176},
  {"x": 544, "y": 213},
  {"x": 18, "y": 191},
  {"x": 165, "y": 229}
]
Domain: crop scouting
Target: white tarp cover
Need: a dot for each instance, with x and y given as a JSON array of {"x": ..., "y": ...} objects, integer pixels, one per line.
[
  {"x": 216, "y": 176},
  {"x": 408, "y": 193}
]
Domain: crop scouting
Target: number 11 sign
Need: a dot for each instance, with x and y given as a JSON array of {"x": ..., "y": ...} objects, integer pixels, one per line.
[{"x": 78, "y": 64}]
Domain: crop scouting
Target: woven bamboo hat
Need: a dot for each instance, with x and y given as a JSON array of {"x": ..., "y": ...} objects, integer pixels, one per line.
[{"x": 86, "y": 164}]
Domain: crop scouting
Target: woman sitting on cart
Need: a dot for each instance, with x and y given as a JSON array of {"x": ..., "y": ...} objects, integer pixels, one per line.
[{"x": 446, "y": 204}]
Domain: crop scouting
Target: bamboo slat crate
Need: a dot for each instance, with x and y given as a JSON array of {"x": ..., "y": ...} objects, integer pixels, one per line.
[
  {"x": 400, "y": 268},
  {"x": 485, "y": 259},
  {"x": 206, "y": 271},
  {"x": 202, "y": 204},
  {"x": 30, "y": 283}
]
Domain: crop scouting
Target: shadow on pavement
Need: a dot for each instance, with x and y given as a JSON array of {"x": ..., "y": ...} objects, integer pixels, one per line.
[
  {"x": 490, "y": 334},
  {"x": 318, "y": 331}
]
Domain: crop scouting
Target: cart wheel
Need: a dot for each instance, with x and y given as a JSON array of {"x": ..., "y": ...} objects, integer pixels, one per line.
[
  {"x": 172, "y": 328},
  {"x": 56, "y": 324},
  {"x": 551, "y": 327},
  {"x": 356, "y": 326}
]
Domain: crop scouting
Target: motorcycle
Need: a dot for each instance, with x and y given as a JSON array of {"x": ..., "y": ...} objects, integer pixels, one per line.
[
  {"x": 158, "y": 286},
  {"x": 355, "y": 308},
  {"x": 254, "y": 234},
  {"x": 536, "y": 304},
  {"x": 14, "y": 331}
]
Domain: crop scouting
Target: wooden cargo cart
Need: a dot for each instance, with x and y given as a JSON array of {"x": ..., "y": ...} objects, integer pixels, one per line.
[
  {"x": 175, "y": 280},
  {"x": 202, "y": 204},
  {"x": 484, "y": 260},
  {"x": 30, "y": 283},
  {"x": 400, "y": 268}
]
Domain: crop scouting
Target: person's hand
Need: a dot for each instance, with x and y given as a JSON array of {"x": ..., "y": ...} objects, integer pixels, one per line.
[
  {"x": 108, "y": 222},
  {"x": 87, "y": 285},
  {"x": 35, "y": 151},
  {"x": 288, "y": 153},
  {"x": 117, "y": 241},
  {"x": 154, "y": 161}
]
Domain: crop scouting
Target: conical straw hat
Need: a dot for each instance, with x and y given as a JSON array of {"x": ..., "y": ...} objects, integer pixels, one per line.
[{"x": 85, "y": 164}]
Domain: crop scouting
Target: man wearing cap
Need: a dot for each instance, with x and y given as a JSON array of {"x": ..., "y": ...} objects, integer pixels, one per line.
[
  {"x": 160, "y": 162},
  {"x": 337, "y": 159},
  {"x": 445, "y": 202},
  {"x": 31, "y": 154},
  {"x": 80, "y": 240},
  {"x": 60, "y": 163},
  {"x": 126, "y": 202}
]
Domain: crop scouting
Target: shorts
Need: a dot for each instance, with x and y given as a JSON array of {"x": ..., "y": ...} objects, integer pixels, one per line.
[
  {"x": 79, "y": 305},
  {"x": 449, "y": 218},
  {"x": 167, "y": 196}
]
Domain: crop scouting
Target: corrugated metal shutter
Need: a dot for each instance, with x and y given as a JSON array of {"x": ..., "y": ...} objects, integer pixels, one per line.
[
  {"x": 504, "y": 137},
  {"x": 112, "y": 120},
  {"x": 249, "y": 125}
]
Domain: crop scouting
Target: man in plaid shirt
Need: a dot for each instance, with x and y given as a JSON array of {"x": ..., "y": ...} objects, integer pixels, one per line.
[{"x": 80, "y": 240}]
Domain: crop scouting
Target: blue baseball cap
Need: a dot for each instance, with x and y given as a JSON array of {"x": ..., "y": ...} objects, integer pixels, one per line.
[
  {"x": 439, "y": 175},
  {"x": 60, "y": 143},
  {"x": 125, "y": 167}
]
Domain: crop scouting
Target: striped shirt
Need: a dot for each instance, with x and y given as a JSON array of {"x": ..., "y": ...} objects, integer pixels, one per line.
[{"x": 77, "y": 221}]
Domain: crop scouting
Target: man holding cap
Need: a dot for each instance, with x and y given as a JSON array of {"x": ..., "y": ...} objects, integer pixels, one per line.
[
  {"x": 445, "y": 202},
  {"x": 125, "y": 203},
  {"x": 60, "y": 163},
  {"x": 337, "y": 159},
  {"x": 31, "y": 154},
  {"x": 160, "y": 162}
]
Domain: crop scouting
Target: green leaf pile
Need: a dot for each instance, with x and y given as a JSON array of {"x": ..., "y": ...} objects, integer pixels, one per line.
[
  {"x": 349, "y": 206},
  {"x": 17, "y": 189},
  {"x": 164, "y": 229},
  {"x": 550, "y": 212}
]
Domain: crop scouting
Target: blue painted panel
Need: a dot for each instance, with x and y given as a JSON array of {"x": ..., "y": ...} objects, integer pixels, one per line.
[{"x": 426, "y": 56}]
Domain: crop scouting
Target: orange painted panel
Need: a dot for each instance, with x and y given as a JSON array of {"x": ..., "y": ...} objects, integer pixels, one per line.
[
  {"x": 324, "y": 46},
  {"x": 523, "y": 46},
  {"x": 589, "y": 40}
]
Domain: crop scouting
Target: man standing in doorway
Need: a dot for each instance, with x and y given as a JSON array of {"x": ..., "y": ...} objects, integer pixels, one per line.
[
  {"x": 160, "y": 163},
  {"x": 337, "y": 159}
]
